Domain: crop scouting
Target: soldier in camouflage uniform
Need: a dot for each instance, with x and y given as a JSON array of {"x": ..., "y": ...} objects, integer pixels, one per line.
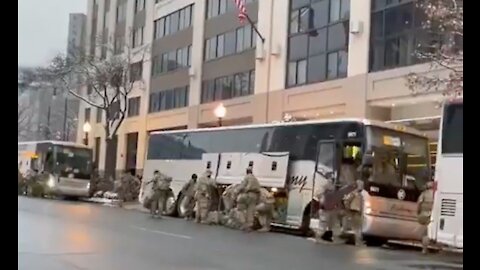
[
  {"x": 235, "y": 219},
  {"x": 424, "y": 211},
  {"x": 124, "y": 188},
  {"x": 265, "y": 209},
  {"x": 203, "y": 197},
  {"x": 160, "y": 190},
  {"x": 329, "y": 220},
  {"x": 188, "y": 191},
  {"x": 353, "y": 209},
  {"x": 229, "y": 198},
  {"x": 251, "y": 188}
]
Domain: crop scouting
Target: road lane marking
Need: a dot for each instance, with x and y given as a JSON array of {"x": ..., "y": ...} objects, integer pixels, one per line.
[{"x": 162, "y": 232}]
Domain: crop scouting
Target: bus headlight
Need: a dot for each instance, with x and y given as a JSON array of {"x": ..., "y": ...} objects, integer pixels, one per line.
[
  {"x": 274, "y": 189},
  {"x": 368, "y": 208},
  {"x": 88, "y": 185},
  {"x": 51, "y": 181}
]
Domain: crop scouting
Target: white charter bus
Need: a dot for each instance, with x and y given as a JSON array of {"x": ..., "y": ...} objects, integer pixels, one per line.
[
  {"x": 292, "y": 159},
  {"x": 447, "y": 216},
  {"x": 64, "y": 168}
]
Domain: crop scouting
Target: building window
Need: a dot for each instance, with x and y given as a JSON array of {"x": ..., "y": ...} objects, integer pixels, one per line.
[
  {"x": 87, "y": 115},
  {"x": 395, "y": 32},
  {"x": 99, "y": 115},
  {"x": 219, "y": 7},
  {"x": 139, "y": 5},
  {"x": 122, "y": 12},
  {"x": 171, "y": 61},
  {"x": 168, "y": 99},
  {"x": 133, "y": 106},
  {"x": 236, "y": 41},
  {"x": 174, "y": 22},
  {"x": 137, "y": 37},
  {"x": 227, "y": 87},
  {"x": 318, "y": 41},
  {"x": 136, "y": 71}
]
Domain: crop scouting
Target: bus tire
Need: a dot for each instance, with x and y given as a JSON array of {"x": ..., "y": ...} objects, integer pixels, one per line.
[
  {"x": 374, "y": 241},
  {"x": 181, "y": 211},
  {"x": 305, "y": 226},
  {"x": 171, "y": 210}
]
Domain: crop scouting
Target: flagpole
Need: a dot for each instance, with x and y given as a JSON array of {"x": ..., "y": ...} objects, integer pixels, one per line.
[{"x": 255, "y": 28}]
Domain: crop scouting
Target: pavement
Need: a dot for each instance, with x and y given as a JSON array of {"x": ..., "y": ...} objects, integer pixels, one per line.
[{"x": 54, "y": 235}]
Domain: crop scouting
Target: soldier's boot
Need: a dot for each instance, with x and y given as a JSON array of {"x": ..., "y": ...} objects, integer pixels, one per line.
[{"x": 359, "y": 241}]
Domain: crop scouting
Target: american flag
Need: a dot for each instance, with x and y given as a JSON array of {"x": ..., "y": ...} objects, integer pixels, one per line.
[{"x": 242, "y": 11}]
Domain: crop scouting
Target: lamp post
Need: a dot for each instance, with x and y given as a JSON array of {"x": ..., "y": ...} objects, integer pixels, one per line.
[
  {"x": 220, "y": 112},
  {"x": 86, "y": 130}
]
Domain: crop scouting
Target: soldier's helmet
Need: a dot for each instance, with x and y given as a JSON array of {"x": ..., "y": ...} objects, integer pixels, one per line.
[
  {"x": 249, "y": 169},
  {"x": 208, "y": 173}
]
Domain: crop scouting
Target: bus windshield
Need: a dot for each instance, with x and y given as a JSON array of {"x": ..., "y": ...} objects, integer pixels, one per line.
[
  {"x": 391, "y": 148},
  {"x": 73, "y": 160}
]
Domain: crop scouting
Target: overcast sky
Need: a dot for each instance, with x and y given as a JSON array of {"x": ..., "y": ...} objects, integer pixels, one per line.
[{"x": 42, "y": 28}]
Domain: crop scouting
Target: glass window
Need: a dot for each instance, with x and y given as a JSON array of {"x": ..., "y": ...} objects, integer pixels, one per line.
[
  {"x": 247, "y": 37},
  {"x": 173, "y": 22},
  {"x": 345, "y": 9},
  {"x": 188, "y": 16},
  {"x": 213, "y": 48},
  {"x": 295, "y": 4},
  {"x": 292, "y": 73},
  {"x": 181, "y": 21},
  {"x": 332, "y": 65},
  {"x": 222, "y": 6},
  {"x": 252, "y": 82},
  {"x": 237, "y": 85},
  {"x": 220, "y": 45},
  {"x": 159, "y": 28},
  {"x": 189, "y": 62},
  {"x": 338, "y": 36},
  {"x": 304, "y": 19},
  {"x": 164, "y": 62},
  {"x": 185, "y": 56},
  {"x": 342, "y": 64},
  {"x": 179, "y": 61},
  {"x": 227, "y": 87},
  {"x": 452, "y": 133},
  {"x": 172, "y": 60},
  {"x": 334, "y": 10},
  {"x": 294, "y": 22},
  {"x": 316, "y": 68},
  {"x": 302, "y": 72},
  {"x": 320, "y": 14},
  {"x": 240, "y": 39},
  {"x": 214, "y": 7},
  {"x": 318, "y": 43},
  {"x": 298, "y": 47},
  {"x": 167, "y": 25},
  {"x": 230, "y": 43}
]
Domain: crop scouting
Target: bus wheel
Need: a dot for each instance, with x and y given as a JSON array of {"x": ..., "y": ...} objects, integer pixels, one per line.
[
  {"x": 181, "y": 205},
  {"x": 374, "y": 241},
  {"x": 171, "y": 205}
]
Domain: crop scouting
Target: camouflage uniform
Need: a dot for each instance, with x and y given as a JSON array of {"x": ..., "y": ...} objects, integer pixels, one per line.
[
  {"x": 203, "y": 197},
  {"x": 235, "y": 219},
  {"x": 161, "y": 189},
  {"x": 354, "y": 209},
  {"x": 188, "y": 192},
  {"x": 424, "y": 211},
  {"x": 229, "y": 197},
  {"x": 328, "y": 219},
  {"x": 250, "y": 187},
  {"x": 265, "y": 209},
  {"x": 125, "y": 187}
]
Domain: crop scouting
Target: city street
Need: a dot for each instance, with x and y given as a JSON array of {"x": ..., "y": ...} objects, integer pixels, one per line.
[{"x": 59, "y": 235}]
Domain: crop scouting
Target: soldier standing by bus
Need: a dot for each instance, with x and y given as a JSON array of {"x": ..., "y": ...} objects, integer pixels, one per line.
[
  {"x": 203, "y": 196},
  {"x": 188, "y": 191},
  {"x": 265, "y": 209},
  {"x": 250, "y": 187},
  {"x": 354, "y": 209},
  {"x": 160, "y": 189},
  {"x": 424, "y": 212}
]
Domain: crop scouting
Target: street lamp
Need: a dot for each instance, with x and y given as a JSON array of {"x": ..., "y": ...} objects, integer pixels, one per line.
[
  {"x": 86, "y": 130},
  {"x": 220, "y": 112}
]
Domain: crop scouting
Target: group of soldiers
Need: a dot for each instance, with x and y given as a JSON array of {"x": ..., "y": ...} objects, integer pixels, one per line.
[{"x": 241, "y": 202}]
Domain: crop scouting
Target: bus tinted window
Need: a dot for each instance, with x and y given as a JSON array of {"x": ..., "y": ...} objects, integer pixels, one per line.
[{"x": 452, "y": 133}]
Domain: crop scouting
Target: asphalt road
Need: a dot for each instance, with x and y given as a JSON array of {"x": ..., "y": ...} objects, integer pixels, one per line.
[{"x": 59, "y": 235}]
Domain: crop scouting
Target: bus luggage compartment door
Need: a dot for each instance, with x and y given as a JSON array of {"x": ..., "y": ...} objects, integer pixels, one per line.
[{"x": 270, "y": 168}]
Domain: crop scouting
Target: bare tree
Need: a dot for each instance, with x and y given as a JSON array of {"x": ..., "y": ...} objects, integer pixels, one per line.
[
  {"x": 107, "y": 81},
  {"x": 443, "y": 25}
]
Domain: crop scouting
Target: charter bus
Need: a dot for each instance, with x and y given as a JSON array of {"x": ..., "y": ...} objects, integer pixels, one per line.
[
  {"x": 447, "y": 217},
  {"x": 292, "y": 159},
  {"x": 65, "y": 168}
]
